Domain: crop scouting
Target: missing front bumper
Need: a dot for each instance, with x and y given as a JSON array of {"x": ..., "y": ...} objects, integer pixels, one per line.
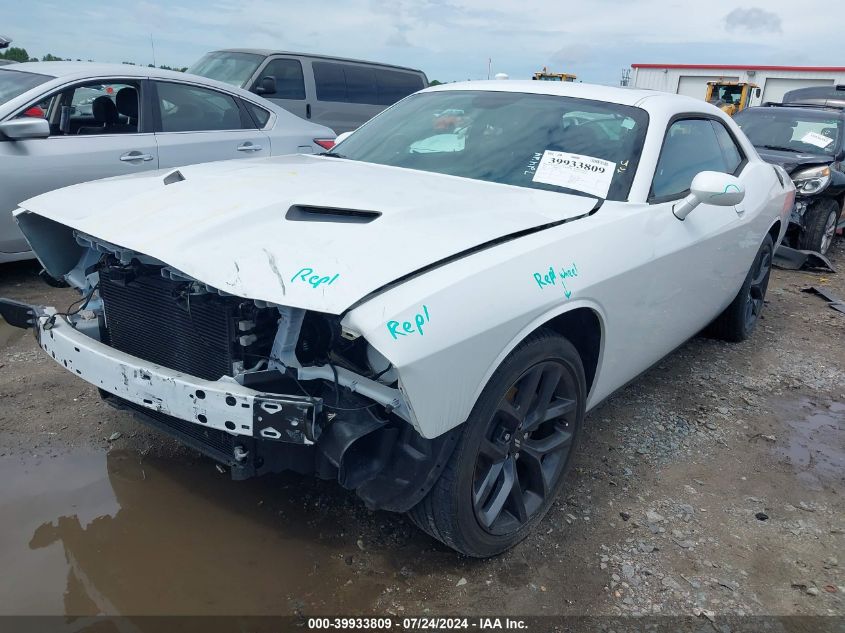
[
  {"x": 384, "y": 459},
  {"x": 222, "y": 405}
]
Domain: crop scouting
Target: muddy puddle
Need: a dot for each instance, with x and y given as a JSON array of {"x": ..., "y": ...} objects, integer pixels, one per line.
[
  {"x": 815, "y": 445},
  {"x": 112, "y": 533}
]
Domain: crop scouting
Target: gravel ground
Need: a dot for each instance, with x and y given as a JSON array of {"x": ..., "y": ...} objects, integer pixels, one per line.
[{"x": 711, "y": 485}]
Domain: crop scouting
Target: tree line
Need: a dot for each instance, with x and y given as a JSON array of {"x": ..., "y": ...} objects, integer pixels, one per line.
[{"x": 17, "y": 54}]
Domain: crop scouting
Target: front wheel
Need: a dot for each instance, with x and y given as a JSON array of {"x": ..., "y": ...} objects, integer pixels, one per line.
[
  {"x": 819, "y": 226},
  {"x": 514, "y": 452}
]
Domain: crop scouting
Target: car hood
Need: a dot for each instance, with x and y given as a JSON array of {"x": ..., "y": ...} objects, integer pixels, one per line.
[
  {"x": 254, "y": 228},
  {"x": 792, "y": 161}
]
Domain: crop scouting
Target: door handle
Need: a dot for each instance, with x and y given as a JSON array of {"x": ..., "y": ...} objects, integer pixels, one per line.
[
  {"x": 249, "y": 147},
  {"x": 130, "y": 157},
  {"x": 307, "y": 110}
]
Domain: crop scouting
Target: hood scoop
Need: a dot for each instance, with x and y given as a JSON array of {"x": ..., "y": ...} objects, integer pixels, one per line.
[{"x": 306, "y": 213}]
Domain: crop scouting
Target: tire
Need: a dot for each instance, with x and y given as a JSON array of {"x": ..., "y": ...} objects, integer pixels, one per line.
[
  {"x": 487, "y": 500},
  {"x": 819, "y": 226},
  {"x": 740, "y": 318}
]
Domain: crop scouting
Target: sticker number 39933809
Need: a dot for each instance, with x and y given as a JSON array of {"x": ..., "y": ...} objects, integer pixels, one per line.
[{"x": 574, "y": 171}]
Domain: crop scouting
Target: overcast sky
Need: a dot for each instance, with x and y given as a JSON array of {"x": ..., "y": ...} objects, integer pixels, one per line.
[{"x": 448, "y": 39}]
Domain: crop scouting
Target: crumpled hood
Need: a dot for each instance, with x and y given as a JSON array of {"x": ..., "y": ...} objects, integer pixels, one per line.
[
  {"x": 229, "y": 224},
  {"x": 792, "y": 161}
]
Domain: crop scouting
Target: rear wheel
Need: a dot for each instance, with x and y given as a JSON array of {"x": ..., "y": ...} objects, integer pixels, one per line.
[
  {"x": 739, "y": 319},
  {"x": 514, "y": 452},
  {"x": 819, "y": 226}
]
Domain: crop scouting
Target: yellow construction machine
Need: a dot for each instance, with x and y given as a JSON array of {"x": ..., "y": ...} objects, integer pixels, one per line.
[
  {"x": 545, "y": 75},
  {"x": 731, "y": 96}
]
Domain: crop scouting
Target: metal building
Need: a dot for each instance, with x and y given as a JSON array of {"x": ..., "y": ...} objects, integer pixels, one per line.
[{"x": 774, "y": 81}]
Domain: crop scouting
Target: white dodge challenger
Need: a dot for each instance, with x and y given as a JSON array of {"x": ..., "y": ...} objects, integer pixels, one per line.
[{"x": 426, "y": 313}]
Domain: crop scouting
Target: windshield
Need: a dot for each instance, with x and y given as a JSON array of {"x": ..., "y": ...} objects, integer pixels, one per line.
[
  {"x": 726, "y": 93},
  {"x": 14, "y": 83},
  {"x": 791, "y": 130},
  {"x": 527, "y": 140},
  {"x": 234, "y": 69}
]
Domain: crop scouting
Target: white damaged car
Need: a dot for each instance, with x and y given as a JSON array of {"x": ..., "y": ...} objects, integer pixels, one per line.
[{"x": 427, "y": 313}]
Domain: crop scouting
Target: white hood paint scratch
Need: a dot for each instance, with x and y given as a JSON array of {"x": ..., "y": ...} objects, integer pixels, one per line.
[{"x": 225, "y": 223}]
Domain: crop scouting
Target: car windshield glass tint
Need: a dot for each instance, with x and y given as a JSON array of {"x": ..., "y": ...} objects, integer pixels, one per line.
[
  {"x": 806, "y": 131},
  {"x": 234, "y": 69},
  {"x": 14, "y": 83},
  {"x": 527, "y": 140}
]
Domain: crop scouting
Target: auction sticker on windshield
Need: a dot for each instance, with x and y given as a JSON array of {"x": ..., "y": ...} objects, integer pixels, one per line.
[
  {"x": 574, "y": 171},
  {"x": 814, "y": 138}
]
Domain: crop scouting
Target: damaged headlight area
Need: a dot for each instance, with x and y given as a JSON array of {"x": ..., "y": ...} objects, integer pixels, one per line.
[
  {"x": 259, "y": 387},
  {"x": 811, "y": 181}
]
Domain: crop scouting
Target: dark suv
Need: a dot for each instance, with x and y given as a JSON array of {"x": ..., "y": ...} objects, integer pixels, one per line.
[{"x": 809, "y": 142}]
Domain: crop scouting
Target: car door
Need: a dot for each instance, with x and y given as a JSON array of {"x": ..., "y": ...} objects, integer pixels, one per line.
[
  {"x": 289, "y": 80},
  {"x": 197, "y": 124},
  {"x": 83, "y": 145},
  {"x": 699, "y": 263},
  {"x": 673, "y": 276}
]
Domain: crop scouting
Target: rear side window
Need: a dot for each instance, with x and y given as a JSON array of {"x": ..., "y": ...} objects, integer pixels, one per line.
[
  {"x": 363, "y": 84},
  {"x": 290, "y": 83},
  {"x": 690, "y": 147},
  {"x": 330, "y": 81},
  {"x": 395, "y": 85},
  {"x": 187, "y": 108},
  {"x": 260, "y": 115},
  {"x": 360, "y": 85}
]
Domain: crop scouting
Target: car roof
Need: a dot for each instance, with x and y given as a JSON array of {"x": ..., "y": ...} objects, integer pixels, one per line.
[
  {"x": 270, "y": 51},
  {"x": 796, "y": 109},
  {"x": 647, "y": 99},
  {"x": 82, "y": 70}
]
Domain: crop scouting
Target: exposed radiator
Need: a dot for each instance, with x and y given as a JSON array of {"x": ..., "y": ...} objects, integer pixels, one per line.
[{"x": 154, "y": 319}]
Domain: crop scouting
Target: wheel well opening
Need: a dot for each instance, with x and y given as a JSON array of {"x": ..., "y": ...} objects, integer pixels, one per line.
[{"x": 583, "y": 329}]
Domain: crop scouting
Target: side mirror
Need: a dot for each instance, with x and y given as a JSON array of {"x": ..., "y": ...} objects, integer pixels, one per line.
[
  {"x": 27, "y": 127},
  {"x": 267, "y": 86},
  {"x": 757, "y": 93},
  {"x": 710, "y": 187},
  {"x": 342, "y": 137}
]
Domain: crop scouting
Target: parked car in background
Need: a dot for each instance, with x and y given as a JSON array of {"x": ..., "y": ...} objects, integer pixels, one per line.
[
  {"x": 808, "y": 141},
  {"x": 425, "y": 321},
  {"x": 817, "y": 95},
  {"x": 339, "y": 93},
  {"x": 67, "y": 122}
]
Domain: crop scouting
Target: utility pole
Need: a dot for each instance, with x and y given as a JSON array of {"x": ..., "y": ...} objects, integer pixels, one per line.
[{"x": 153, "y": 46}]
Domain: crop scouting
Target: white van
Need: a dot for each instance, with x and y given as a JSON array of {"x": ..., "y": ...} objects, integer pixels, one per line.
[{"x": 332, "y": 91}]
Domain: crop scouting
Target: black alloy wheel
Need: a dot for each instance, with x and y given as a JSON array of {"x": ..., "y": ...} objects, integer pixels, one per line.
[
  {"x": 514, "y": 450},
  {"x": 527, "y": 446}
]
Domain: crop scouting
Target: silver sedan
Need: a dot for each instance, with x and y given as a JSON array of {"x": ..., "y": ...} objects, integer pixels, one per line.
[{"x": 62, "y": 123}]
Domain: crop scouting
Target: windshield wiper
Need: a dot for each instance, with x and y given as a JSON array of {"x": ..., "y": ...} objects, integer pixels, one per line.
[
  {"x": 332, "y": 155},
  {"x": 780, "y": 148}
]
